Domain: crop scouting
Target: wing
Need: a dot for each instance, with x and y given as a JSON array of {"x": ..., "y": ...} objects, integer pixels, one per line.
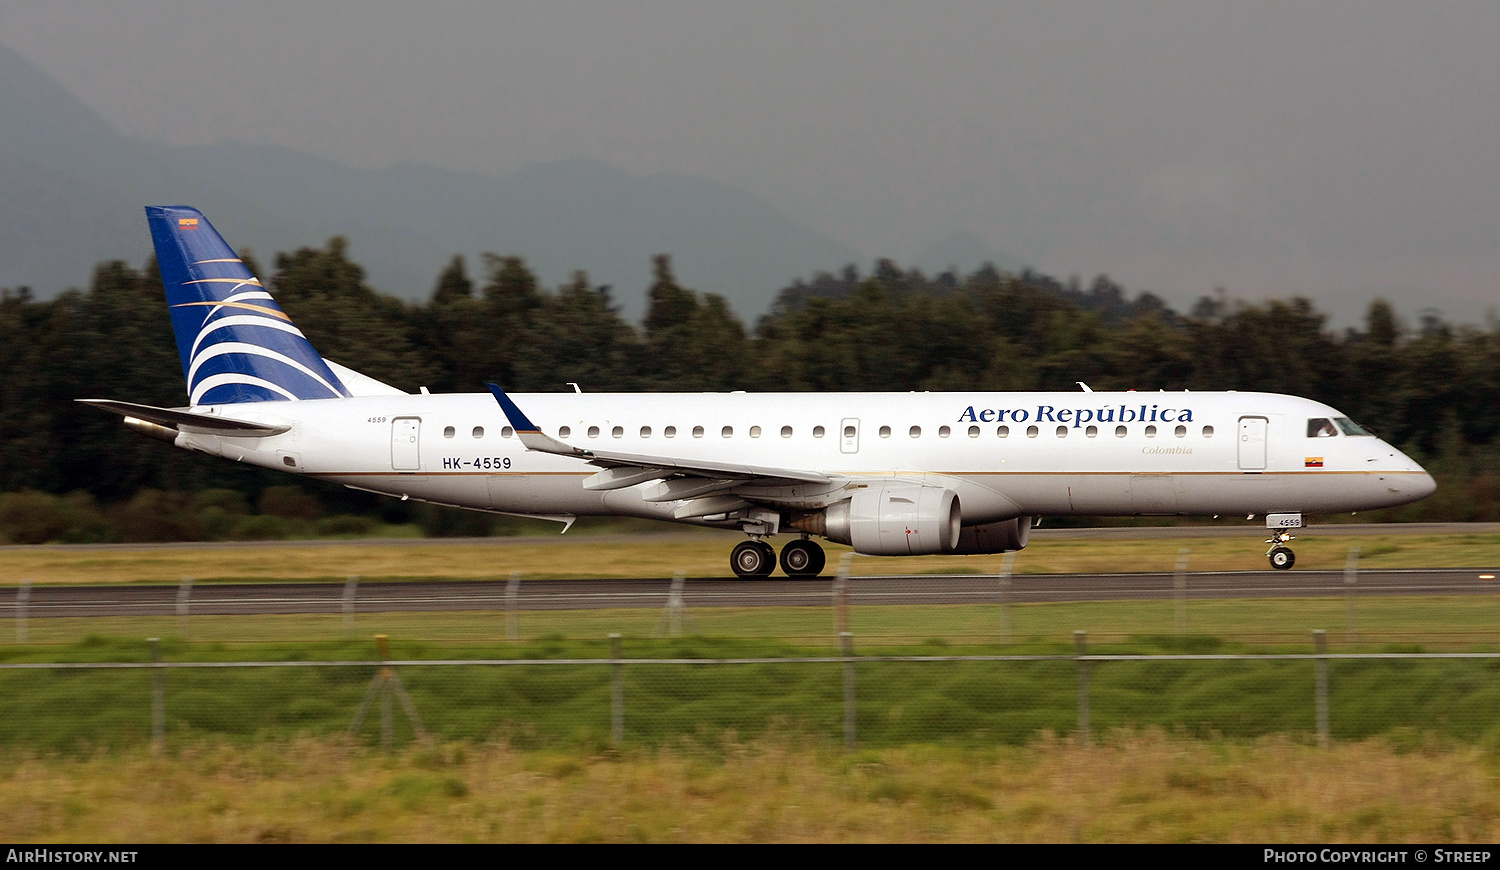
[{"x": 705, "y": 487}]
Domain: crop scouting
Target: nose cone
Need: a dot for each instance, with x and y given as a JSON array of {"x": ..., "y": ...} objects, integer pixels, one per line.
[
  {"x": 1410, "y": 479},
  {"x": 1422, "y": 484}
]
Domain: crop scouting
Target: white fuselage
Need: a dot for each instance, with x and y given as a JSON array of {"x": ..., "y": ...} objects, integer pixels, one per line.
[{"x": 1003, "y": 454}]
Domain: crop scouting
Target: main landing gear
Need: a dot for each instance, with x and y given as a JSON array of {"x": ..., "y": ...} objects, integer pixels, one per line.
[
  {"x": 801, "y": 558},
  {"x": 1282, "y": 558}
]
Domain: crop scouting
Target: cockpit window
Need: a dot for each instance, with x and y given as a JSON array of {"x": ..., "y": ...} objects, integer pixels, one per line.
[
  {"x": 1320, "y": 427},
  {"x": 1352, "y": 428}
]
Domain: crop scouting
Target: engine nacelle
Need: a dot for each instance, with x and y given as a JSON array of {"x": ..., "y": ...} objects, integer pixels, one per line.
[
  {"x": 994, "y": 537},
  {"x": 896, "y": 521}
]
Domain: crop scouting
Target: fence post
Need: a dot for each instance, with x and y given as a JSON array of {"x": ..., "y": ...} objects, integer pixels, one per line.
[
  {"x": 841, "y": 595},
  {"x": 846, "y": 646},
  {"x": 23, "y": 597},
  {"x": 1179, "y": 590},
  {"x": 616, "y": 692},
  {"x": 1351, "y": 583},
  {"x": 386, "y": 684},
  {"x": 1081, "y": 639},
  {"x": 184, "y": 593},
  {"x": 387, "y": 720},
  {"x": 512, "y": 591},
  {"x": 158, "y": 699},
  {"x": 1320, "y": 685},
  {"x": 1007, "y": 566},
  {"x": 351, "y": 587},
  {"x": 671, "y": 616}
]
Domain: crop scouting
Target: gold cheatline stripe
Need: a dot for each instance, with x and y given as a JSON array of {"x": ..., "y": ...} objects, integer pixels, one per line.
[
  {"x": 245, "y": 305},
  {"x": 222, "y": 260},
  {"x": 252, "y": 281}
]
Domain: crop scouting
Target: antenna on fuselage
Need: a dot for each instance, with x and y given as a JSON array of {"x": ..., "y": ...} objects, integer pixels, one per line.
[
  {"x": 1085, "y": 386},
  {"x": 576, "y": 388}
]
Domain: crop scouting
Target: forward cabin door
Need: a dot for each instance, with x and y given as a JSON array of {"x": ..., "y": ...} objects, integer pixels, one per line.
[
  {"x": 406, "y": 444},
  {"x": 1253, "y": 443}
]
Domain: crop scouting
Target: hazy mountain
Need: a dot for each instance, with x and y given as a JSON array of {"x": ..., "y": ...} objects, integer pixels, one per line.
[
  {"x": 965, "y": 253},
  {"x": 72, "y": 189}
]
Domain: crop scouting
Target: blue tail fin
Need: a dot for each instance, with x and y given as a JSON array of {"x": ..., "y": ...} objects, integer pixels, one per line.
[{"x": 236, "y": 343}]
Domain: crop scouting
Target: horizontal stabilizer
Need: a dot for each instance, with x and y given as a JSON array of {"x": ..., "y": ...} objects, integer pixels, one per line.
[{"x": 179, "y": 419}]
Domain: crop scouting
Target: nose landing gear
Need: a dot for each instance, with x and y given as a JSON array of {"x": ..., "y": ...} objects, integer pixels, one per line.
[{"x": 1281, "y": 557}]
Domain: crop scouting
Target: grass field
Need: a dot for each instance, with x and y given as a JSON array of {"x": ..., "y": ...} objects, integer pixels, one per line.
[
  {"x": 954, "y": 751},
  {"x": 704, "y": 554},
  {"x": 1135, "y": 786},
  {"x": 1469, "y": 622}
]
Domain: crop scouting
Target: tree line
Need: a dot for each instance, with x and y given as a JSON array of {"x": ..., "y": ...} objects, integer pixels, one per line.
[{"x": 69, "y": 472}]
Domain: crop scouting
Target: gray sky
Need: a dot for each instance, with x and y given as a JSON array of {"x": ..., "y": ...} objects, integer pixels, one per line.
[{"x": 1273, "y": 148}]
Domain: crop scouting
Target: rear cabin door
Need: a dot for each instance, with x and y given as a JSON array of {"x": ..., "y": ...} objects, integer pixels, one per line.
[
  {"x": 406, "y": 443},
  {"x": 1253, "y": 443}
]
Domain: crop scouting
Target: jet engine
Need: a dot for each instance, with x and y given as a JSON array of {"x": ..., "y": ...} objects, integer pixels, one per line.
[
  {"x": 994, "y": 537},
  {"x": 889, "y": 520}
]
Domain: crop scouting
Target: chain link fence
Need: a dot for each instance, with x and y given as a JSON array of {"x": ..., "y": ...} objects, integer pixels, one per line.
[{"x": 857, "y": 700}]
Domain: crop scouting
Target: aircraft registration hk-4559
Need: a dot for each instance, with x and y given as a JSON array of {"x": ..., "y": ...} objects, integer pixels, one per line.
[{"x": 886, "y": 473}]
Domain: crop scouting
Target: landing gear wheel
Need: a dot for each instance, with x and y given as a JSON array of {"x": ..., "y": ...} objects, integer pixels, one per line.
[
  {"x": 802, "y": 559},
  {"x": 753, "y": 559},
  {"x": 1282, "y": 559}
]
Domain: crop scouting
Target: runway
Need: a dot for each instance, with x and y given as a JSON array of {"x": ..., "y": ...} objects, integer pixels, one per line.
[{"x": 479, "y": 595}]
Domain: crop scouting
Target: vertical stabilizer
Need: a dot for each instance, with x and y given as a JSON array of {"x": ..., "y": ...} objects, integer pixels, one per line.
[{"x": 236, "y": 343}]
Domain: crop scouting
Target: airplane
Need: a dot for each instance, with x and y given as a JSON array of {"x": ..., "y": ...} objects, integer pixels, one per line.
[{"x": 885, "y": 473}]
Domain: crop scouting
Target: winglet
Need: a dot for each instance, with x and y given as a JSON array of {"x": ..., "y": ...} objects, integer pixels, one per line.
[{"x": 531, "y": 436}]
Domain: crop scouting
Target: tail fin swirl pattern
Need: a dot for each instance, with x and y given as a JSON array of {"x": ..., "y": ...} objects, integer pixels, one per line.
[{"x": 236, "y": 343}]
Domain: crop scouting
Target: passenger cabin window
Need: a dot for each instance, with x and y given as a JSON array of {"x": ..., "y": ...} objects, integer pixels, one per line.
[
  {"x": 885, "y": 431},
  {"x": 507, "y": 432},
  {"x": 697, "y": 431},
  {"x": 1062, "y": 431},
  {"x": 1180, "y": 431},
  {"x": 564, "y": 432},
  {"x": 1092, "y": 431},
  {"x": 1321, "y": 427},
  {"x": 449, "y": 432},
  {"x": 1150, "y": 431},
  {"x": 645, "y": 431},
  {"x": 973, "y": 431},
  {"x": 944, "y": 431},
  {"x": 786, "y": 431},
  {"x": 915, "y": 432},
  {"x": 1031, "y": 431},
  {"x": 478, "y": 431},
  {"x": 1120, "y": 431},
  {"x": 848, "y": 431},
  {"x": 593, "y": 431},
  {"x": 1003, "y": 432},
  {"x": 670, "y": 431},
  {"x": 754, "y": 431},
  {"x": 727, "y": 431},
  {"x": 1208, "y": 431},
  {"x": 817, "y": 431},
  {"x": 618, "y": 431}
]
